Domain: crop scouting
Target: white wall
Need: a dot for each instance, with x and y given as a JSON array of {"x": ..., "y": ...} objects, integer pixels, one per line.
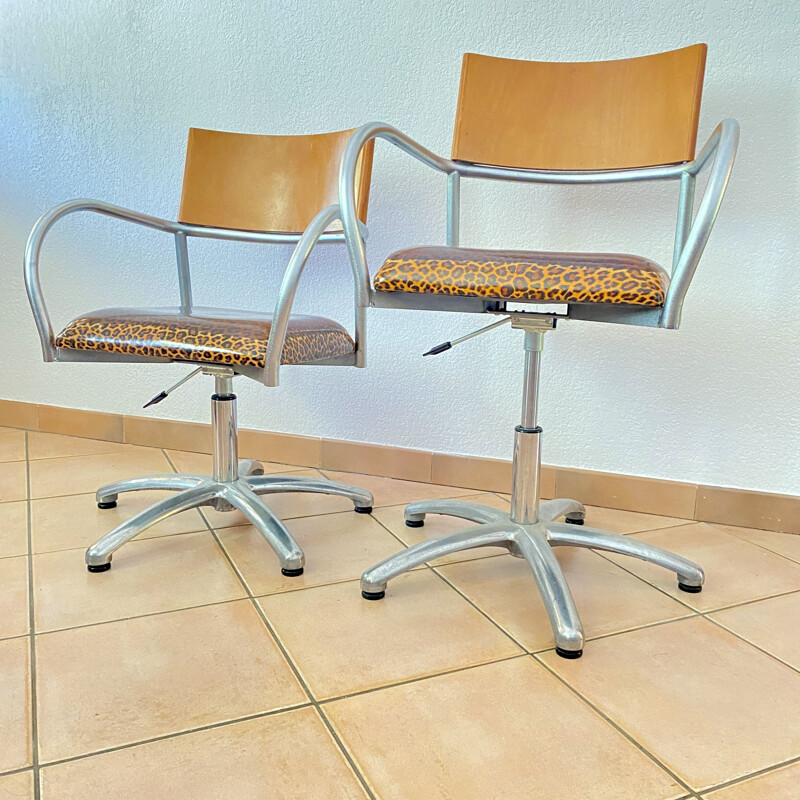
[{"x": 96, "y": 99}]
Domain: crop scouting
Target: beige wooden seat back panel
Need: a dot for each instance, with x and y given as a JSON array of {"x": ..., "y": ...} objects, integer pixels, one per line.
[
  {"x": 635, "y": 112},
  {"x": 253, "y": 182}
]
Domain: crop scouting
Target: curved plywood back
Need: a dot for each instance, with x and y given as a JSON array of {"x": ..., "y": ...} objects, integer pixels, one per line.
[
  {"x": 637, "y": 112},
  {"x": 265, "y": 183}
]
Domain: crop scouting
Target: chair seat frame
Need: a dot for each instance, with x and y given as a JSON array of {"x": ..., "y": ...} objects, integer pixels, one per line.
[
  {"x": 692, "y": 230},
  {"x": 316, "y": 233}
]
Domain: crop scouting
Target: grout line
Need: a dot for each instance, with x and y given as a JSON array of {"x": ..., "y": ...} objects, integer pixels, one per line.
[
  {"x": 750, "y": 602},
  {"x": 757, "y": 774},
  {"x": 298, "y": 675},
  {"x": 620, "y": 730},
  {"x": 717, "y": 525},
  {"x": 644, "y": 580},
  {"x": 211, "y": 726},
  {"x": 142, "y": 616},
  {"x": 420, "y": 678},
  {"x": 344, "y": 751},
  {"x": 285, "y": 653},
  {"x": 15, "y": 771},
  {"x": 602, "y": 636},
  {"x": 37, "y": 789},
  {"x": 752, "y": 644}
]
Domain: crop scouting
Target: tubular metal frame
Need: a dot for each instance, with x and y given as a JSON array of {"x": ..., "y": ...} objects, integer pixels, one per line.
[
  {"x": 315, "y": 233},
  {"x": 234, "y": 484},
  {"x": 528, "y": 530},
  {"x": 691, "y": 233}
]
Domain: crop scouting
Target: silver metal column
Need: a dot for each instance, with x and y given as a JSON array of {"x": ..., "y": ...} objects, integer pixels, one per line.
[
  {"x": 223, "y": 415},
  {"x": 527, "y": 438}
]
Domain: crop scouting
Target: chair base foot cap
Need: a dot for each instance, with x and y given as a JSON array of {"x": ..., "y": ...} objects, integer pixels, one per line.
[
  {"x": 292, "y": 573},
  {"x": 690, "y": 589},
  {"x": 573, "y": 520},
  {"x": 363, "y": 509},
  {"x": 568, "y": 653},
  {"x": 415, "y": 523},
  {"x": 111, "y": 504},
  {"x": 373, "y": 595},
  {"x": 99, "y": 567}
]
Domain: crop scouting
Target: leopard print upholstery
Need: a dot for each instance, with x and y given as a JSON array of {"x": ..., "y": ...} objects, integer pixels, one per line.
[
  {"x": 525, "y": 276},
  {"x": 215, "y": 336}
]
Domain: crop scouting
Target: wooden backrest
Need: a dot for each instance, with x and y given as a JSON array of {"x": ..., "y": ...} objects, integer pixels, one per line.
[
  {"x": 265, "y": 183},
  {"x": 636, "y": 112}
]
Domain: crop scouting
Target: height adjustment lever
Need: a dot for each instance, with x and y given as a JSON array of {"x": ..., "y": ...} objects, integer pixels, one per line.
[
  {"x": 445, "y": 346},
  {"x": 163, "y": 395}
]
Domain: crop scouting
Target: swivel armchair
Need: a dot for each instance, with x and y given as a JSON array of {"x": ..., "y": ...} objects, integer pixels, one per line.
[
  {"x": 241, "y": 188},
  {"x": 567, "y": 124}
]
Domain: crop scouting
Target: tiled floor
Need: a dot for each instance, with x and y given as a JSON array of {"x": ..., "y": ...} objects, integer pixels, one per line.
[{"x": 194, "y": 669}]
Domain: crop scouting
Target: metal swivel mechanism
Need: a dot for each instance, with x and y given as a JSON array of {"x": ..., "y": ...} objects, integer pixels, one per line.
[
  {"x": 530, "y": 530},
  {"x": 234, "y": 485}
]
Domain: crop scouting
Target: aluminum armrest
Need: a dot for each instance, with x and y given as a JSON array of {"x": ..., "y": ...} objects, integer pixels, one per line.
[
  {"x": 34, "y": 246},
  {"x": 178, "y": 229},
  {"x": 347, "y": 188},
  {"x": 722, "y": 145},
  {"x": 291, "y": 278}
]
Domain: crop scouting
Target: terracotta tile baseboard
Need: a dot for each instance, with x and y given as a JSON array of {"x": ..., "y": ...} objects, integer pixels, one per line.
[{"x": 749, "y": 509}]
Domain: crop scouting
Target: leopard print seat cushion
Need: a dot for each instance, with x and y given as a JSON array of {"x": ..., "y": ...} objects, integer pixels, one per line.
[
  {"x": 525, "y": 275},
  {"x": 207, "y": 335}
]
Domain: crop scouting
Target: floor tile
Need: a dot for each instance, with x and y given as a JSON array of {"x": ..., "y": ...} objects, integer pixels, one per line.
[
  {"x": 114, "y": 684},
  {"x": 57, "y": 445},
  {"x": 504, "y": 730},
  {"x": 18, "y": 786},
  {"x": 736, "y": 570},
  {"x": 13, "y": 481},
  {"x": 14, "y": 616},
  {"x": 785, "y": 544},
  {"x": 437, "y": 525},
  {"x": 769, "y": 624},
  {"x": 710, "y": 706},
  {"x": 63, "y": 523},
  {"x": 338, "y": 547},
  {"x": 342, "y": 643},
  {"x": 145, "y": 578},
  {"x": 12, "y": 444},
  {"x": 617, "y": 521},
  {"x": 52, "y": 477},
  {"x": 202, "y": 464},
  {"x": 392, "y": 491},
  {"x": 781, "y": 784},
  {"x": 15, "y": 704},
  {"x": 13, "y": 529},
  {"x": 608, "y": 598},
  {"x": 281, "y": 757}
]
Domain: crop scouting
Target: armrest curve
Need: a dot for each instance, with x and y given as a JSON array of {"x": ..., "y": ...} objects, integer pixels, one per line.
[
  {"x": 291, "y": 278},
  {"x": 347, "y": 188},
  {"x": 722, "y": 145},
  {"x": 34, "y": 246}
]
